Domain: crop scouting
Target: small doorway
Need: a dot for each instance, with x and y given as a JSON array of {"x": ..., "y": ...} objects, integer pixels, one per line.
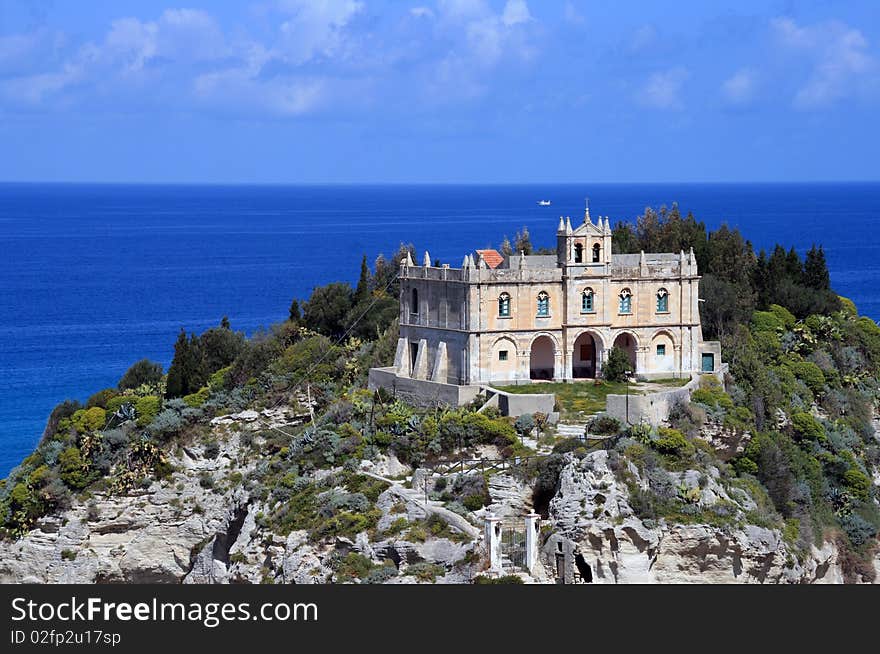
[{"x": 413, "y": 353}]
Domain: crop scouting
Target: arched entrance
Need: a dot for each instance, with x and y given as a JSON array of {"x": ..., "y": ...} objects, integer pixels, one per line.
[
  {"x": 627, "y": 343},
  {"x": 584, "y": 357},
  {"x": 542, "y": 358}
]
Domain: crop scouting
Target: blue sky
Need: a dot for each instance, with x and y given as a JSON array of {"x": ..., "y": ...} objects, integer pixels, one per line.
[{"x": 287, "y": 91}]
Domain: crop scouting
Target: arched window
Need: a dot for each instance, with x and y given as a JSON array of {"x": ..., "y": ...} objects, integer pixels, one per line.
[
  {"x": 414, "y": 306},
  {"x": 588, "y": 301},
  {"x": 662, "y": 301},
  {"x": 543, "y": 304},
  {"x": 597, "y": 251},
  {"x": 625, "y": 298},
  {"x": 578, "y": 253},
  {"x": 504, "y": 305}
]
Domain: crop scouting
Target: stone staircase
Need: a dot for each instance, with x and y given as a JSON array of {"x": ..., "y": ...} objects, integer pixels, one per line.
[{"x": 570, "y": 430}]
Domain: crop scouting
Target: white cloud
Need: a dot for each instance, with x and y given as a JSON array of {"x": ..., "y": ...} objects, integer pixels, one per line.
[
  {"x": 739, "y": 89},
  {"x": 663, "y": 89},
  {"x": 840, "y": 59},
  {"x": 516, "y": 12},
  {"x": 316, "y": 28}
]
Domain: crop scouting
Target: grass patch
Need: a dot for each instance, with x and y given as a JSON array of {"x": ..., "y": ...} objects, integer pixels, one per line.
[{"x": 576, "y": 400}]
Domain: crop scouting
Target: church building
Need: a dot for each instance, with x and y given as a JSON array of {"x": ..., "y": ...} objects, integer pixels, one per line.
[{"x": 512, "y": 319}]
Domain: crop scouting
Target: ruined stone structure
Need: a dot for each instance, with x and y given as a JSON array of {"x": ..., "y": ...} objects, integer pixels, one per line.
[{"x": 523, "y": 317}]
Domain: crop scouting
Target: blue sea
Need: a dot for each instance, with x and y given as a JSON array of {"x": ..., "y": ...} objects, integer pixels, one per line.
[{"x": 94, "y": 277}]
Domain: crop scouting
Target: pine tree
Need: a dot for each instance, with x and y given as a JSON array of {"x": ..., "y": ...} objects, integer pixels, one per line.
[{"x": 506, "y": 247}]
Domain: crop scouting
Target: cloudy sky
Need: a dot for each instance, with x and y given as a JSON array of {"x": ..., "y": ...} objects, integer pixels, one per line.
[{"x": 438, "y": 91}]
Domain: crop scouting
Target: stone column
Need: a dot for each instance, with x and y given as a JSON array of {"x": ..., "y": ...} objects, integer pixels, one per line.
[
  {"x": 493, "y": 542},
  {"x": 533, "y": 525}
]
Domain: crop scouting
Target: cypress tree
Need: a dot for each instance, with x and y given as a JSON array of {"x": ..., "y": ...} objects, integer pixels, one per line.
[
  {"x": 295, "y": 313},
  {"x": 362, "y": 292},
  {"x": 816, "y": 270}
]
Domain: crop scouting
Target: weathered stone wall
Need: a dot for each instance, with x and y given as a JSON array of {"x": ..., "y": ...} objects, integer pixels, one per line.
[{"x": 421, "y": 392}]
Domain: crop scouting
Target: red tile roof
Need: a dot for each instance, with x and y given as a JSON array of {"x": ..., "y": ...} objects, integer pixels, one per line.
[{"x": 492, "y": 258}]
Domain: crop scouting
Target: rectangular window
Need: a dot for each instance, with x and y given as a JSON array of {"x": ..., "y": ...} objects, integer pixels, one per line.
[
  {"x": 587, "y": 303},
  {"x": 708, "y": 362},
  {"x": 661, "y": 350},
  {"x": 502, "y": 355}
]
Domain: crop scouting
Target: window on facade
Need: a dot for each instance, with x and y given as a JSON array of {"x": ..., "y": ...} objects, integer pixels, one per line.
[
  {"x": 578, "y": 253},
  {"x": 662, "y": 301},
  {"x": 587, "y": 299},
  {"x": 543, "y": 304},
  {"x": 625, "y": 298},
  {"x": 502, "y": 355},
  {"x": 661, "y": 350},
  {"x": 597, "y": 251},
  {"x": 504, "y": 305},
  {"x": 414, "y": 306}
]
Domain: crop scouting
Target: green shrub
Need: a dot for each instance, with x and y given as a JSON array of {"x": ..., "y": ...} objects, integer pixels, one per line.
[
  {"x": 68, "y": 555},
  {"x": 766, "y": 321},
  {"x": 671, "y": 441},
  {"x": 198, "y": 398},
  {"x": 73, "y": 468},
  {"x": 806, "y": 427},
  {"x": 88, "y": 420},
  {"x": 785, "y": 316},
  {"x": 425, "y": 571},
  {"x": 810, "y": 374},
  {"x": 147, "y": 408},
  {"x": 617, "y": 365},
  {"x": 858, "y": 483},
  {"x": 712, "y": 395}
]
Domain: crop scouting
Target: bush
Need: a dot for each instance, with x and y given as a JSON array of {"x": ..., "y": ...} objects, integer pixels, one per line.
[
  {"x": 101, "y": 398},
  {"x": 617, "y": 365},
  {"x": 524, "y": 424},
  {"x": 671, "y": 441},
  {"x": 73, "y": 468},
  {"x": 142, "y": 372},
  {"x": 87, "y": 420},
  {"x": 604, "y": 425},
  {"x": 806, "y": 427},
  {"x": 810, "y": 374},
  {"x": 858, "y": 530},
  {"x": 785, "y": 316},
  {"x": 858, "y": 483},
  {"x": 425, "y": 571},
  {"x": 147, "y": 408},
  {"x": 766, "y": 321}
]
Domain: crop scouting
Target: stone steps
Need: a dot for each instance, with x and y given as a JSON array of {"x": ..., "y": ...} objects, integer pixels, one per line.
[{"x": 570, "y": 430}]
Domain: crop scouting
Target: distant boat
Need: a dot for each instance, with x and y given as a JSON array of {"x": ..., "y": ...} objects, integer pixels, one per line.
[{"x": 544, "y": 203}]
